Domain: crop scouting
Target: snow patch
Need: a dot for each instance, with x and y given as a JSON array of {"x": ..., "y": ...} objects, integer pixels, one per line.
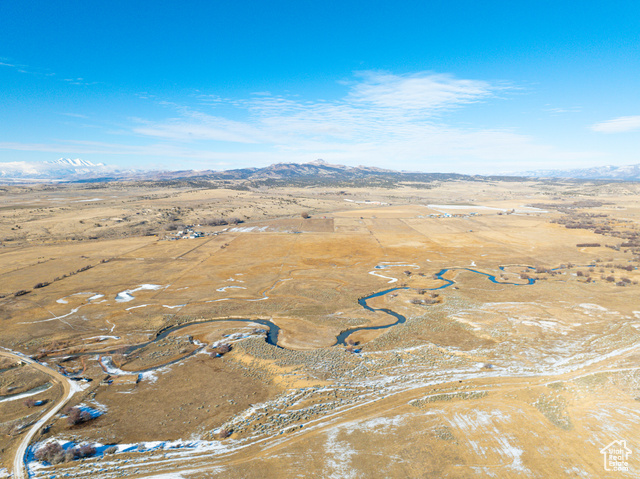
[
  {"x": 125, "y": 296},
  {"x": 591, "y": 306},
  {"x": 391, "y": 280},
  {"x": 230, "y": 287},
  {"x": 26, "y": 394},
  {"x": 134, "y": 307}
]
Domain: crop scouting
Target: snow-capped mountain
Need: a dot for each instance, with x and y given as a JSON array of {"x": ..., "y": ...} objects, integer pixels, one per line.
[
  {"x": 623, "y": 173},
  {"x": 76, "y": 162},
  {"x": 63, "y": 169}
]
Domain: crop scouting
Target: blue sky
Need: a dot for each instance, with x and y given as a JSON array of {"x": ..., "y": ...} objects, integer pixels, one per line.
[{"x": 466, "y": 86}]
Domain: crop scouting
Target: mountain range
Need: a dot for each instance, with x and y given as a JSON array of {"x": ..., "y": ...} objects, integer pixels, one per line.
[
  {"x": 624, "y": 173},
  {"x": 63, "y": 169},
  {"x": 73, "y": 170},
  {"x": 67, "y": 169}
]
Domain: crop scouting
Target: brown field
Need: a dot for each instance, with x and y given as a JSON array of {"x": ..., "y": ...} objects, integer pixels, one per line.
[{"x": 485, "y": 378}]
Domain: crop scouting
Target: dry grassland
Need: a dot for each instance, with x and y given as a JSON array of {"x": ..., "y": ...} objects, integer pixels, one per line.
[{"x": 488, "y": 376}]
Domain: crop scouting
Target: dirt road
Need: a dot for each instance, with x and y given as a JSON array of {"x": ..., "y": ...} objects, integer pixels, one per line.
[{"x": 19, "y": 469}]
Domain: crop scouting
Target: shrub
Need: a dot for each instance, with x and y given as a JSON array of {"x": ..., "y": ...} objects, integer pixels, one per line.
[
  {"x": 305, "y": 214},
  {"x": 111, "y": 450},
  {"x": 222, "y": 349},
  {"x": 75, "y": 416},
  {"x": 217, "y": 222},
  {"x": 51, "y": 452},
  {"x": 86, "y": 450}
]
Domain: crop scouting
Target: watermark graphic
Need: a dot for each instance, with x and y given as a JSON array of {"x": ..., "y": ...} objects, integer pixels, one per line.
[{"x": 616, "y": 456}]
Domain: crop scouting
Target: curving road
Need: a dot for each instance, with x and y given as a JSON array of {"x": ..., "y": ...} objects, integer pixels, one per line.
[{"x": 19, "y": 469}]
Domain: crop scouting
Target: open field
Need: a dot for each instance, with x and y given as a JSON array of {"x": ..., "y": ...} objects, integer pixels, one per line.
[{"x": 469, "y": 328}]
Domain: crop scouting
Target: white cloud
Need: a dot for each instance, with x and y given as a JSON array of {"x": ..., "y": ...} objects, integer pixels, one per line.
[
  {"x": 385, "y": 120},
  {"x": 378, "y": 109},
  {"x": 618, "y": 125},
  {"x": 574, "y": 109},
  {"x": 201, "y": 127},
  {"x": 419, "y": 92}
]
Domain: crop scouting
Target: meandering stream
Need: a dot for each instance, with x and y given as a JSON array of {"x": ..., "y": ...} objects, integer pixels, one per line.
[
  {"x": 273, "y": 330},
  {"x": 342, "y": 337}
]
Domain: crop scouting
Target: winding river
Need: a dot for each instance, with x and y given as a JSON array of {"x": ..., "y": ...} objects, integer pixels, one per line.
[
  {"x": 273, "y": 330},
  {"x": 342, "y": 337}
]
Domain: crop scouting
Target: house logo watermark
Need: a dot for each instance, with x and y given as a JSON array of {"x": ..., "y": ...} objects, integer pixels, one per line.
[{"x": 616, "y": 456}]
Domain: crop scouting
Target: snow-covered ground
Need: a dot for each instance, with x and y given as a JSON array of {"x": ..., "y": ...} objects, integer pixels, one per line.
[{"x": 126, "y": 295}]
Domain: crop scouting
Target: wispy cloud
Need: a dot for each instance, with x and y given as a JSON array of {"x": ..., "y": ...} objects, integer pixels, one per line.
[
  {"x": 8, "y": 63},
  {"x": 382, "y": 118},
  {"x": 79, "y": 81},
  {"x": 419, "y": 92},
  {"x": 74, "y": 115},
  {"x": 378, "y": 107},
  {"x": 555, "y": 110},
  {"x": 199, "y": 126},
  {"x": 4, "y": 62},
  {"x": 19, "y": 68},
  {"x": 618, "y": 125},
  {"x": 402, "y": 121}
]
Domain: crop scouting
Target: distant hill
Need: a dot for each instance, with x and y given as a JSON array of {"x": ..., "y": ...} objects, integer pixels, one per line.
[
  {"x": 74, "y": 170},
  {"x": 319, "y": 171},
  {"x": 622, "y": 173},
  {"x": 318, "y": 168}
]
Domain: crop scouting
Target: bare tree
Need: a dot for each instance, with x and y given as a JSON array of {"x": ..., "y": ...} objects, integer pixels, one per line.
[
  {"x": 52, "y": 452},
  {"x": 75, "y": 416}
]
